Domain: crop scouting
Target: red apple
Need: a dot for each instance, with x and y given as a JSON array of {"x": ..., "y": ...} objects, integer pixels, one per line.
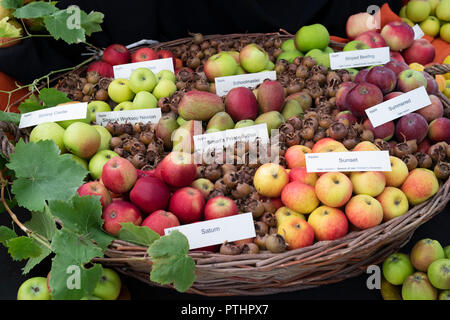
[
  {"x": 160, "y": 220},
  {"x": 361, "y": 76},
  {"x": 119, "y": 175},
  {"x": 341, "y": 94},
  {"x": 433, "y": 111},
  {"x": 187, "y": 204},
  {"x": 178, "y": 169},
  {"x": 432, "y": 86},
  {"x": 362, "y": 97},
  {"x": 424, "y": 146},
  {"x": 119, "y": 212},
  {"x": 359, "y": 23},
  {"x": 301, "y": 175},
  {"x": 241, "y": 104},
  {"x": 411, "y": 126},
  {"x": 328, "y": 223},
  {"x": 220, "y": 207},
  {"x": 396, "y": 56},
  {"x": 102, "y": 68},
  {"x": 346, "y": 115},
  {"x": 392, "y": 95},
  {"x": 164, "y": 54},
  {"x": 383, "y": 77},
  {"x": 150, "y": 194},
  {"x": 270, "y": 96},
  {"x": 421, "y": 51},
  {"x": 116, "y": 54},
  {"x": 398, "y": 35},
  {"x": 385, "y": 131},
  {"x": 372, "y": 38},
  {"x": 396, "y": 66},
  {"x": 440, "y": 130},
  {"x": 144, "y": 54},
  {"x": 95, "y": 188}
]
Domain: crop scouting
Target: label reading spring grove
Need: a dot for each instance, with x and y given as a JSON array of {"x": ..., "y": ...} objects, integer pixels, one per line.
[
  {"x": 124, "y": 70},
  {"x": 348, "y": 161},
  {"x": 251, "y": 80},
  {"x": 59, "y": 113},
  {"x": 399, "y": 106},
  {"x": 151, "y": 115},
  {"x": 217, "y": 231},
  {"x": 359, "y": 58}
]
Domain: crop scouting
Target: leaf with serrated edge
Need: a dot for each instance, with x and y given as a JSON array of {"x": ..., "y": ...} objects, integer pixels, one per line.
[
  {"x": 91, "y": 22},
  {"x": 29, "y": 105},
  {"x": 52, "y": 97},
  {"x": 43, "y": 174},
  {"x": 57, "y": 26},
  {"x": 35, "y": 10},
  {"x": 21, "y": 248},
  {"x": 140, "y": 235},
  {"x": 6, "y": 234}
]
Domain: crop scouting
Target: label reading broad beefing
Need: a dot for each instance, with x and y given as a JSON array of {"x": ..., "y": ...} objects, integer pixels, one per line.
[
  {"x": 250, "y": 80},
  {"x": 359, "y": 58},
  {"x": 348, "y": 161},
  {"x": 124, "y": 71}
]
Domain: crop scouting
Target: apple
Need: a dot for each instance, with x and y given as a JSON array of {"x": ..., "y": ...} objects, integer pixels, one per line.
[
  {"x": 383, "y": 77},
  {"x": 371, "y": 183},
  {"x": 34, "y": 289},
  {"x": 102, "y": 68},
  {"x": 328, "y": 145},
  {"x": 361, "y": 76},
  {"x": 439, "y": 130},
  {"x": 425, "y": 252},
  {"x": 49, "y": 131},
  {"x": 96, "y": 188},
  {"x": 270, "y": 96},
  {"x": 119, "y": 90},
  {"x": 166, "y": 74},
  {"x": 301, "y": 175},
  {"x": 418, "y": 10},
  {"x": 432, "y": 85},
  {"x": 253, "y": 58},
  {"x": 81, "y": 162},
  {"x": 97, "y": 106},
  {"x": 142, "y": 79},
  {"x": 105, "y": 137},
  {"x": 109, "y": 286},
  {"x": 334, "y": 189},
  {"x": 221, "y": 64},
  {"x": 82, "y": 139},
  {"x": 410, "y": 79},
  {"x": 355, "y": 45},
  {"x": 178, "y": 169},
  {"x": 366, "y": 146},
  {"x": 433, "y": 111},
  {"x": 394, "y": 203},
  {"x": 398, "y": 35},
  {"x": 397, "y": 66},
  {"x": 187, "y": 204},
  {"x": 126, "y": 105},
  {"x": 364, "y": 211},
  {"x": 241, "y": 104},
  {"x": 439, "y": 274},
  {"x": 362, "y": 97},
  {"x": 165, "y": 54},
  {"x": 204, "y": 185},
  {"x": 321, "y": 57},
  {"x": 342, "y": 92},
  {"x": 418, "y": 287},
  {"x": 392, "y": 95},
  {"x": 67, "y": 123},
  {"x": 97, "y": 162},
  {"x": 431, "y": 26},
  {"x": 346, "y": 116},
  {"x": 118, "y": 212},
  {"x": 372, "y": 38},
  {"x": 119, "y": 175},
  {"x": 399, "y": 173},
  {"x": 299, "y": 197},
  {"x": 289, "y": 56},
  {"x": 385, "y": 131},
  {"x": 160, "y": 220},
  {"x": 150, "y": 194},
  {"x": 270, "y": 179},
  {"x": 220, "y": 207},
  {"x": 295, "y": 156},
  {"x": 284, "y": 213},
  {"x": 420, "y": 185},
  {"x": 296, "y": 232},
  {"x": 311, "y": 37},
  {"x": 116, "y": 54},
  {"x": 424, "y": 146},
  {"x": 144, "y": 100},
  {"x": 445, "y": 32},
  {"x": 144, "y": 54},
  {"x": 164, "y": 88},
  {"x": 396, "y": 56},
  {"x": 421, "y": 51},
  {"x": 328, "y": 223},
  {"x": 360, "y": 23},
  {"x": 411, "y": 126},
  {"x": 396, "y": 268}
]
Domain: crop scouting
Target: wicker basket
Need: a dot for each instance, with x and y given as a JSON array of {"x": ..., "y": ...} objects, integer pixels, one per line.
[{"x": 266, "y": 273}]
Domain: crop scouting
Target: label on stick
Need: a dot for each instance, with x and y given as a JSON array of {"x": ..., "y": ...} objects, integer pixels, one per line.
[
  {"x": 348, "y": 161},
  {"x": 150, "y": 115},
  {"x": 124, "y": 71},
  {"x": 217, "y": 231},
  {"x": 72, "y": 111},
  {"x": 251, "y": 80},
  {"x": 359, "y": 58}
]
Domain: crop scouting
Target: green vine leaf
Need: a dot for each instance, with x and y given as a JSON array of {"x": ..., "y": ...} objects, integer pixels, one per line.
[
  {"x": 29, "y": 105},
  {"x": 58, "y": 26},
  {"x": 11, "y": 4},
  {"x": 52, "y": 97},
  {"x": 140, "y": 235},
  {"x": 6, "y": 234},
  {"x": 22, "y": 248},
  {"x": 35, "y": 9},
  {"x": 91, "y": 22},
  {"x": 46, "y": 175},
  {"x": 12, "y": 117}
]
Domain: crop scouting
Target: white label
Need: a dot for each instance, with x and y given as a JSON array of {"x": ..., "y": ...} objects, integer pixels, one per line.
[
  {"x": 65, "y": 112},
  {"x": 348, "y": 161},
  {"x": 217, "y": 231},
  {"x": 150, "y": 115},
  {"x": 250, "y": 80},
  {"x": 209, "y": 141},
  {"x": 359, "y": 58},
  {"x": 124, "y": 70},
  {"x": 399, "y": 106},
  {"x": 418, "y": 33}
]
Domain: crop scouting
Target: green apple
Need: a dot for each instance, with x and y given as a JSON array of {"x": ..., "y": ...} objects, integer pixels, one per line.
[
  {"x": 119, "y": 90},
  {"x": 109, "y": 286},
  {"x": 445, "y": 32},
  {"x": 105, "y": 137},
  {"x": 418, "y": 10},
  {"x": 396, "y": 268},
  {"x": 273, "y": 119},
  {"x": 433, "y": 5},
  {"x": 408, "y": 22},
  {"x": 310, "y": 37},
  {"x": 289, "y": 55},
  {"x": 126, "y": 105},
  {"x": 81, "y": 162},
  {"x": 253, "y": 58},
  {"x": 82, "y": 139},
  {"x": 402, "y": 12},
  {"x": 34, "y": 289},
  {"x": 240, "y": 70},
  {"x": 97, "y": 162},
  {"x": 447, "y": 252},
  {"x": 49, "y": 131},
  {"x": 292, "y": 108},
  {"x": 288, "y": 45},
  {"x": 431, "y": 26},
  {"x": 355, "y": 45},
  {"x": 444, "y": 295},
  {"x": 166, "y": 74},
  {"x": 244, "y": 124},
  {"x": 321, "y": 57},
  {"x": 97, "y": 106},
  {"x": 142, "y": 79},
  {"x": 439, "y": 274},
  {"x": 145, "y": 100},
  {"x": 180, "y": 120},
  {"x": 164, "y": 88},
  {"x": 221, "y": 64},
  {"x": 270, "y": 66},
  {"x": 443, "y": 10},
  {"x": 353, "y": 72},
  {"x": 91, "y": 298}
]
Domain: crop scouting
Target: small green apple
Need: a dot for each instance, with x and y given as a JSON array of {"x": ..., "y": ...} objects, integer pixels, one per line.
[
  {"x": 126, "y": 105},
  {"x": 447, "y": 252},
  {"x": 66, "y": 123},
  {"x": 288, "y": 45},
  {"x": 97, "y": 106},
  {"x": 431, "y": 26},
  {"x": 91, "y": 298},
  {"x": 80, "y": 161},
  {"x": 402, "y": 13},
  {"x": 253, "y": 58},
  {"x": 289, "y": 55},
  {"x": 145, "y": 100},
  {"x": 418, "y": 10},
  {"x": 109, "y": 286},
  {"x": 270, "y": 66},
  {"x": 82, "y": 139},
  {"x": 180, "y": 120},
  {"x": 105, "y": 137},
  {"x": 240, "y": 70},
  {"x": 355, "y": 45},
  {"x": 49, "y": 131},
  {"x": 164, "y": 88},
  {"x": 439, "y": 274},
  {"x": 310, "y": 37},
  {"x": 166, "y": 74},
  {"x": 408, "y": 22},
  {"x": 244, "y": 124},
  {"x": 321, "y": 57},
  {"x": 142, "y": 79},
  {"x": 433, "y": 5},
  {"x": 34, "y": 289},
  {"x": 353, "y": 72},
  {"x": 445, "y": 32},
  {"x": 443, "y": 10},
  {"x": 396, "y": 268},
  {"x": 444, "y": 295},
  {"x": 97, "y": 162},
  {"x": 119, "y": 90}
]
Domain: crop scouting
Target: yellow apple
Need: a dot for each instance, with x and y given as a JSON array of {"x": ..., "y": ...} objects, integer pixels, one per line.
[
  {"x": 284, "y": 213},
  {"x": 394, "y": 203},
  {"x": 270, "y": 179},
  {"x": 371, "y": 183},
  {"x": 334, "y": 189},
  {"x": 399, "y": 173}
]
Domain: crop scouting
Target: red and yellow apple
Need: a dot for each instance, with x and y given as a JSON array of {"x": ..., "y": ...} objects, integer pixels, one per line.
[
  {"x": 364, "y": 211},
  {"x": 270, "y": 179},
  {"x": 328, "y": 223},
  {"x": 394, "y": 203},
  {"x": 334, "y": 189}
]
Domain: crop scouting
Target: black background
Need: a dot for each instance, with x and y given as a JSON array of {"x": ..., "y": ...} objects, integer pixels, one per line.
[{"x": 130, "y": 21}]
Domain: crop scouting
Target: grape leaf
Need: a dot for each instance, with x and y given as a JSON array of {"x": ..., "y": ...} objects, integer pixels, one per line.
[
  {"x": 140, "y": 235},
  {"x": 59, "y": 27},
  {"x": 82, "y": 215},
  {"x": 11, "y": 4},
  {"x": 52, "y": 97},
  {"x": 43, "y": 174},
  {"x": 8, "y": 30},
  {"x": 35, "y": 10},
  {"x": 21, "y": 248},
  {"x": 10, "y": 117},
  {"x": 91, "y": 22},
  {"x": 171, "y": 263},
  {"x": 29, "y": 105},
  {"x": 6, "y": 234},
  {"x": 70, "y": 279}
]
